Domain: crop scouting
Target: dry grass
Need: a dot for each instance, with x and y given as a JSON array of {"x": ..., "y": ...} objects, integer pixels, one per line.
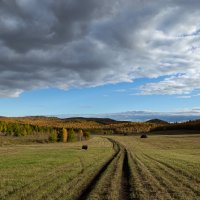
[
  {"x": 50, "y": 171},
  {"x": 161, "y": 167},
  {"x": 164, "y": 167}
]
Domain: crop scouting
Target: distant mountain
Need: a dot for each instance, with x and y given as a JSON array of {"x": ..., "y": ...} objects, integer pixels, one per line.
[
  {"x": 187, "y": 125},
  {"x": 98, "y": 120},
  {"x": 142, "y": 116},
  {"x": 70, "y": 122},
  {"x": 157, "y": 121},
  {"x": 39, "y": 117}
]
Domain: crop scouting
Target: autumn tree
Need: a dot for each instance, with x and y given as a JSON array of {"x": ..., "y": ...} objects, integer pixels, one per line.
[
  {"x": 86, "y": 135},
  {"x": 64, "y": 135},
  {"x": 80, "y": 135}
]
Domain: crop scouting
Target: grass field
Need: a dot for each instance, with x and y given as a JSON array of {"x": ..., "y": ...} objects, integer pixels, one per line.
[
  {"x": 164, "y": 167},
  {"x": 118, "y": 167},
  {"x": 50, "y": 171}
]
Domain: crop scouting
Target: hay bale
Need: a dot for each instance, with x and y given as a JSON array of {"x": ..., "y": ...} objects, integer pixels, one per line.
[
  {"x": 85, "y": 147},
  {"x": 143, "y": 136}
]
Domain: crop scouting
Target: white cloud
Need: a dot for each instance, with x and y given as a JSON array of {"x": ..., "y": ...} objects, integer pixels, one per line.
[
  {"x": 184, "y": 97},
  {"x": 67, "y": 44},
  {"x": 11, "y": 93},
  {"x": 180, "y": 84}
]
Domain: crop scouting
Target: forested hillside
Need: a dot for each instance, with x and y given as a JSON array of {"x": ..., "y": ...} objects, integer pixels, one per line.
[{"x": 22, "y": 126}]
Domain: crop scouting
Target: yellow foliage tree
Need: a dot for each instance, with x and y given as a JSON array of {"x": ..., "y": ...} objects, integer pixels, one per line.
[
  {"x": 64, "y": 135},
  {"x": 80, "y": 135}
]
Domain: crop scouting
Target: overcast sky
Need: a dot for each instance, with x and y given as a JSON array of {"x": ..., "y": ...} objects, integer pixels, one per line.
[{"x": 129, "y": 50}]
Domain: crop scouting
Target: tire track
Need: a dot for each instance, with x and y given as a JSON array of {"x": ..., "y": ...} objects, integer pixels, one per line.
[
  {"x": 125, "y": 181},
  {"x": 85, "y": 193},
  {"x": 74, "y": 183},
  {"x": 125, "y": 190}
]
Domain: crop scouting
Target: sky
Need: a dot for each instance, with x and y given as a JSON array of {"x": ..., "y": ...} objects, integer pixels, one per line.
[{"x": 76, "y": 57}]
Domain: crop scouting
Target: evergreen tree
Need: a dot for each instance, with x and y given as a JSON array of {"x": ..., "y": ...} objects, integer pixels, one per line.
[
  {"x": 24, "y": 132},
  {"x": 16, "y": 130},
  {"x": 53, "y": 136},
  {"x": 71, "y": 136}
]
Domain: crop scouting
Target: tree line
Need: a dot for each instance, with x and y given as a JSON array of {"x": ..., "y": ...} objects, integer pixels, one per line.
[
  {"x": 17, "y": 129},
  {"x": 188, "y": 125},
  {"x": 56, "y": 134},
  {"x": 64, "y": 135}
]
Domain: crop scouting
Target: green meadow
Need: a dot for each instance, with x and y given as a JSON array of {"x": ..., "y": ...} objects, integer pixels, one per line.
[{"x": 113, "y": 167}]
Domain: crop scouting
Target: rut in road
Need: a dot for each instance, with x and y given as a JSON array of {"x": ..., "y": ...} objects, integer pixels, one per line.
[
  {"x": 124, "y": 184},
  {"x": 125, "y": 181},
  {"x": 85, "y": 193}
]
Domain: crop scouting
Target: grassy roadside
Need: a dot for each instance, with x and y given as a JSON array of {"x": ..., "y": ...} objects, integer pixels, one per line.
[{"x": 44, "y": 171}]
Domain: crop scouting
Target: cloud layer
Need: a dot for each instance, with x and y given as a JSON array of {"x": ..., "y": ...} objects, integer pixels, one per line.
[{"x": 68, "y": 43}]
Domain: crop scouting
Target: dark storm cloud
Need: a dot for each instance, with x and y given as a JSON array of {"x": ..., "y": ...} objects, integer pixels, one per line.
[
  {"x": 40, "y": 24},
  {"x": 84, "y": 43}
]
